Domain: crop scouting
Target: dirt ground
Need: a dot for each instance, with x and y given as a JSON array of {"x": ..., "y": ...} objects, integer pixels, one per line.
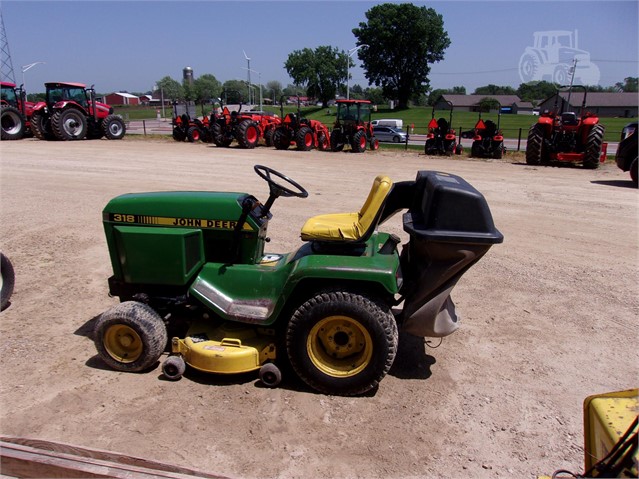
[{"x": 549, "y": 317}]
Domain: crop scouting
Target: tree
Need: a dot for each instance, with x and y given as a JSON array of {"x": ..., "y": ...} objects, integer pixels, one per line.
[
  {"x": 487, "y": 104},
  {"x": 319, "y": 71},
  {"x": 630, "y": 84},
  {"x": 274, "y": 90},
  {"x": 170, "y": 89},
  {"x": 535, "y": 91},
  {"x": 404, "y": 40},
  {"x": 495, "y": 90},
  {"x": 236, "y": 91},
  {"x": 206, "y": 88},
  {"x": 375, "y": 95}
]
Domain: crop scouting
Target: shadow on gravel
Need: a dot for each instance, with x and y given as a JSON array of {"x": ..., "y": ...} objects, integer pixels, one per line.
[
  {"x": 411, "y": 361},
  {"x": 617, "y": 183}
]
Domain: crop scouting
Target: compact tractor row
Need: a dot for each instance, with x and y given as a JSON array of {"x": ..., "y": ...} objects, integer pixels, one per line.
[
  {"x": 70, "y": 112},
  {"x": 352, "y": 127}
]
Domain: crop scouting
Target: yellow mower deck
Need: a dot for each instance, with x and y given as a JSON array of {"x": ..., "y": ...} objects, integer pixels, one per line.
[{"x": 226, "y": 349}]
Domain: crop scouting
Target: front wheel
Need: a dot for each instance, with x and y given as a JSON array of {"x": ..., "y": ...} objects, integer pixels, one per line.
[
  {"x": 114, "y": 127},
  {"x": 193, "y": 134},
  {"x": 358, "y": 142},
  {"x": 337, "y": 141},
  {"x": 13, "y": 123},
  {"x": 304, "y": 139},
  {"x": 130, "y": 336},
  {"x": 342, "y": 343}
]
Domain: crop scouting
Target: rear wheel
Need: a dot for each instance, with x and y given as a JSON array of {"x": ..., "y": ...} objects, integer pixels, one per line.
[
  {"x": 218, "y": 135},
  {"x": 304, "y": 139},
  {"x": 337, "y": 141},
  {"x": 322, "y": 142},
  {"x": 594, "y": 143},
  {"x": 193, "y": 134},
  {"x": 342, "y": 343},
  {"x": 358, "y": 142},
  {"x": 534, "y": 145},
  {"x": 499, "y": 151},
  {"x": 178, "y": 134},
  {"x": 41, "y": 126},
  {"x": 13, "y": 123},
  {"x": 69, "y": 124},
  {"x": 130, "y": 336},
  {"x": 7, "y": 281},
  {"x": 281, "y": 140},
  {"x": 248, "y": 134},
  {"x": 113, "y": 127},
  {"x": 475, "y": 149},
  {"x": 268, "y": 137}
]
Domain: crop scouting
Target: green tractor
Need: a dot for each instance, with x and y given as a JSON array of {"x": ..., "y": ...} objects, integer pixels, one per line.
[{"x": 192, "y": 276}]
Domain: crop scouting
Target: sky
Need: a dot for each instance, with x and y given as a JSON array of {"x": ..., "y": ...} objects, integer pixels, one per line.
[{"x": 130, "y": 45}]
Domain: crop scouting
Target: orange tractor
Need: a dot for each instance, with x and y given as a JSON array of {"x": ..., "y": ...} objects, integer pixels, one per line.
[
  {"x": 245, "y": 127},
  {"x": 564, "y": 136},
  {"x": 353, "y": 126},
  {"x": 306, "y": 134},
  {"x": 441, "y": 138}
]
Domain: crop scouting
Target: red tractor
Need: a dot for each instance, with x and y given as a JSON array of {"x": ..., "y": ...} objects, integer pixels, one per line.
[
  {"x": 245, "y": 127},
  {"x": 441, "y": 138},
  {"x": 353, "y": 126},
  {"x": 306, "y": 134},
  {"x": 71, "y": 112},
  {"x": 16, "y": 112},
  {"x": 488, "y": 141},
  {"x": 564, "y": 136}
]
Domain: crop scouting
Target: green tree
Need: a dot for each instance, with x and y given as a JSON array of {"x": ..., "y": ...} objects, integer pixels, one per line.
[
  {"x": 319, "y": 71},
  {"x": 404, "y": 40},
  {"x": 274, "y": 90},
  {"x": 629, "y": 84},
  {"x": 206, "y": 88},
  {"x": 487, "y": 104},
  {"x": 495, "y": 90},
  {"x": 375, "y": 95},
  {"x": 236, "y": 91},
  {"x": 292, "y": 90},
  {"x": 170, "y": 89},
  {"x": 535, "y": 91}
]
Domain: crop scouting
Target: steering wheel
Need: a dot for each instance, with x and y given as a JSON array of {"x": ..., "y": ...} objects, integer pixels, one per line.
[{"x": 275, "y": 188}]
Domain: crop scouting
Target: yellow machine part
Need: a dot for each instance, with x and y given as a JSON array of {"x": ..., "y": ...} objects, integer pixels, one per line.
[
  {"x": 606, "y": 418},
  {"x": 227, "y": 349}
]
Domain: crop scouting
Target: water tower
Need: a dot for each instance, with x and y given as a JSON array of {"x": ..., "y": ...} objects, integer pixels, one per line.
[{"x": 187, "y": 75}]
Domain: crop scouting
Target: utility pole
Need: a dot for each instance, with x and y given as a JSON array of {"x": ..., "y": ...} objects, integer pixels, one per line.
[{"x": 6, "y": 68}]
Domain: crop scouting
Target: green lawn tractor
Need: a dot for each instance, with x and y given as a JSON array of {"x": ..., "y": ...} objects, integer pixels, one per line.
[{"x": 193, "y": 277}]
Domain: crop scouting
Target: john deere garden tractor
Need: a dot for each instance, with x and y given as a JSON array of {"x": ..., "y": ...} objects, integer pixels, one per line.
[
  {"x": 71, "y": 112},
  {"x": 15, "y": 112},
  {"x": 565, "y": 136},
  {"x": 190, "y": 270},
  {"x": 488, "y": 141},
  {"x": 441, "y": 138},
  {"x": 306, "y": 134},
  {"x": 353, "y": 126}
]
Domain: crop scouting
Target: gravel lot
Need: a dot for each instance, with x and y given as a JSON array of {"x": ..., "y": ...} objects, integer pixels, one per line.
[{"x": 549, "y": 317}]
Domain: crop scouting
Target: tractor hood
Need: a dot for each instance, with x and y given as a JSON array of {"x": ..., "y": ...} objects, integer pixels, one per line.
[{"x": 179, "y": 209}]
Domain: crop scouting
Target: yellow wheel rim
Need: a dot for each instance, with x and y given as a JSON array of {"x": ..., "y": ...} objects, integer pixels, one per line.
[
  {"x": 339, "y": 346},
  {"x": 123, "y": 343}
]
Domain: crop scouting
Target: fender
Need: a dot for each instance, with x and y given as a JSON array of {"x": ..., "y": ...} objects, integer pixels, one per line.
[{"x": 41, "y": 105}]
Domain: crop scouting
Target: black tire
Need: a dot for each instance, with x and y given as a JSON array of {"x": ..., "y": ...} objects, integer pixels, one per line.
[
  {"x": 534, "y": 145},
  {"x": 130, "y": 336},
  {"x": 248, "y": 134},
  {"x": 178, "y": 134},
  {"x": 322, "y": 142},
  {"x": 41, "y": 126},
  {"x": 268, "y": 137},
  {"x": 13, "y": 123},
  {"x": 304, "y": 139},
  {"x": 428, "y": 146},
  {"x": 396, "y": 139},
  {"x": 270, "y": 375},
  {"x": 633, "y": 171},
  {"x": 113, "y": 127},
  {"x": 342, "y": 343},
  {"x": 173, "y": 367},
  {"x": 499, "y": 151},
  {"x": 218, "y": 136},
  {"x": 475, "y": 149},
  {"x": 281, "y": 140},
  {"x": 7, "y": 281},
  {"x": 193, "y": 134},
  {"x": 69, "y": 124},
  {"x": 337, "y": 141},
  {"x": 358, "y": 142},
  {"x": 594, "y": 143}
]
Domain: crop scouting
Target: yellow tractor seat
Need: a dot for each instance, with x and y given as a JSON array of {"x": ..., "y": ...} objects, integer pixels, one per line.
[{"x": 350, "y": 227}]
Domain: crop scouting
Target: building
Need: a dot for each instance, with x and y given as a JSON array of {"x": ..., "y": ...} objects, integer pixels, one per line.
[
  {"x": 509, "y": 103},
  {"x": 603, "y": 104},
  {"x": 119, "y": 98}
]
